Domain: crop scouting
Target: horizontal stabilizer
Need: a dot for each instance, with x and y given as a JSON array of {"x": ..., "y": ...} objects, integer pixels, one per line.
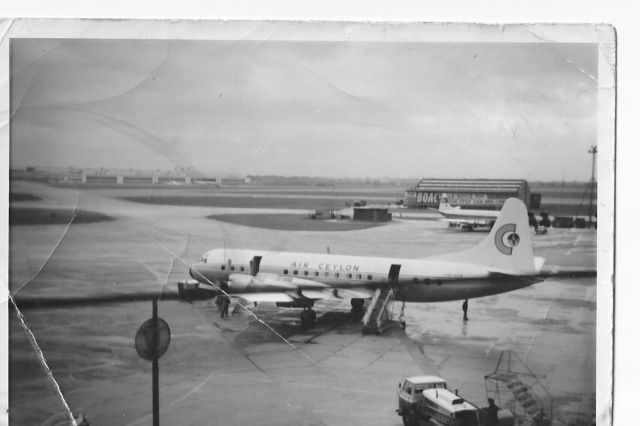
[
  {"x": 568, "y": 273},
  {"x": 530, "y": 279}
]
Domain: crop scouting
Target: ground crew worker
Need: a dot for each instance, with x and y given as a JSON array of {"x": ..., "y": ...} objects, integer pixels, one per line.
[
  {"x": 225, "y": 307},
  {"x": 492, "y": 414},
  {"x": 465, "y": 306}
]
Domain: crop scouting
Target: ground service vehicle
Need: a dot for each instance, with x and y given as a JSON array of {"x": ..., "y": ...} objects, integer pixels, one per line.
[
  {"x": 425, "y": 400},
  {"x": 411, "y": 390}
]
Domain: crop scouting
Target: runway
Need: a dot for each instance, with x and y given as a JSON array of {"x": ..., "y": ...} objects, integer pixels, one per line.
[{"x": 236, "y": 370}]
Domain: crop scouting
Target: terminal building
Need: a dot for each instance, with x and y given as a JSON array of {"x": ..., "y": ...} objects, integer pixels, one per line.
[
  {"x": 485, "y": 194},
  {"x": 73, "y": 176}
]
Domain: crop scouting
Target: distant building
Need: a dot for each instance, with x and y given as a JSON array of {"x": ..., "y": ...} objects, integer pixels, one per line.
[
  {"x": 483, "y": 194},
  {"x": 49, "y": 174},
  {"x": 60, "y": 175},
  {"x": 371, "y": 214}
]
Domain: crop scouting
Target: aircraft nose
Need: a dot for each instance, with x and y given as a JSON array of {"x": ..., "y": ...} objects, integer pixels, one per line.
[{"x": 193, "y": 272}]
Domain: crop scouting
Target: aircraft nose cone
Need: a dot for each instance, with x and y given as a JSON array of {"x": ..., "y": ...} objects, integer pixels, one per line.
[{"x": 192, "y": 272}]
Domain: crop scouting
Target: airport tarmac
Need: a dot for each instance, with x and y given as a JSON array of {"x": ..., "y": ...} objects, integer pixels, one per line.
[{"x": 238, "y": 371}]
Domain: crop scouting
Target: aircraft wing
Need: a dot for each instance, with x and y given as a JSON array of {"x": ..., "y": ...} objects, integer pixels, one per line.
[
  {"x": 265, "y": 282},
  {"x": 470, "y": 221},
  {"x": 293, "y": 296},
  {"x": 276, "y": 288},
  {"x": 264, "y": 297},
  {"x": 355, "y": 293}
]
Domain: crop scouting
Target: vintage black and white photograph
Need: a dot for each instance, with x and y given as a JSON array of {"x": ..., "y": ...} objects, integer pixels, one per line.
[{"x": 288, "y": 223}]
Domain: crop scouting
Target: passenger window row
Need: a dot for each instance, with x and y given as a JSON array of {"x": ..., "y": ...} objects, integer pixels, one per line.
[
  {"x": 326, "y": 274},
  {"x": 231, "y": 268}
]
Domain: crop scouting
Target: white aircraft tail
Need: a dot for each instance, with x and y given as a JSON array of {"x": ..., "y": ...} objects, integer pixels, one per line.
[
  {"x": 444, "y": 205},
  {"x": 507, "y": 248}
]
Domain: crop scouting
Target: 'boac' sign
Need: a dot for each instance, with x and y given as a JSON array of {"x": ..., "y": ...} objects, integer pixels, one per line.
[
  {"x": 506, "y": 238},
  {"x": 428, "y": 197}
]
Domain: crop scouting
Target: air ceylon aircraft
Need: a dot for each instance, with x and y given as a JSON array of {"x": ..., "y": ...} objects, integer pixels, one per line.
[
  {"x": 467, "y": 219},
  {"x": 502, "y": 262}
]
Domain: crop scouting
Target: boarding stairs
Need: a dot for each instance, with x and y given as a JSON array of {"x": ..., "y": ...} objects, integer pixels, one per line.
[
  {"x": 514, "y": 386},
  {"x": 527, "y": 400},
  {"x": 379, "y": 312}
]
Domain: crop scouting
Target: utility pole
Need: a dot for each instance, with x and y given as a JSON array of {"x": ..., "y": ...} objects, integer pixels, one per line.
[{"x": 593, "y": 151}]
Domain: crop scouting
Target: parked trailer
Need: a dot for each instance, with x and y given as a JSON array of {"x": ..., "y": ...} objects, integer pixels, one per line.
[{"x": 443, "y": 407}]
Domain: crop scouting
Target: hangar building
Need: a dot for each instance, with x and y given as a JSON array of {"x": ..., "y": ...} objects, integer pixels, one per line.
[{"x": 486, "y": 194}]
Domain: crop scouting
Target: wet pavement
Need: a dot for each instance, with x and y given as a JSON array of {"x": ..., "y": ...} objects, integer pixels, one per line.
[{"x": 237, "y": 370}]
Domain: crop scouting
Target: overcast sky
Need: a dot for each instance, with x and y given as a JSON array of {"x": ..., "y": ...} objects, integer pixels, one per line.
[{"x": 343, "y": 109}]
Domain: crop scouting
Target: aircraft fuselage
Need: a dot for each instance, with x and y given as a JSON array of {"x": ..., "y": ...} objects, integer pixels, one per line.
[{"x": 415, "y": 280}]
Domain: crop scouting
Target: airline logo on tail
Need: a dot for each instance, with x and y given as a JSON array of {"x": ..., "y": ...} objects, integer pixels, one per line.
[{"x": 506, "y": 238}]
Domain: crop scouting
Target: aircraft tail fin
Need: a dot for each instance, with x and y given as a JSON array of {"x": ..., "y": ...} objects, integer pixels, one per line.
[
  {"x": 444, "y": 205},
  {"x": 508, "y": 247}
]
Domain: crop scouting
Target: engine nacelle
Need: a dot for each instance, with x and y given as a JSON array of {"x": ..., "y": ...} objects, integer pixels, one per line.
[{"x": 239, "y": 282}]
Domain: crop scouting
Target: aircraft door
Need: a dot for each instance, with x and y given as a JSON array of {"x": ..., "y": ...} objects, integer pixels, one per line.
[
  {"x": 254, "y": 265},
  {"x": 394, "y": 273}
]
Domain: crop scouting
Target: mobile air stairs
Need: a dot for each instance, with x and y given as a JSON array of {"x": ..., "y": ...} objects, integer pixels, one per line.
[
  {"x": 513, "y": 386},
  {"x": 379, "y": 313}
]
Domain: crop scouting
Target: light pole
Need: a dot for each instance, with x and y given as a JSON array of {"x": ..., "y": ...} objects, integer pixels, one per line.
[{"x": 593, "y": 151}]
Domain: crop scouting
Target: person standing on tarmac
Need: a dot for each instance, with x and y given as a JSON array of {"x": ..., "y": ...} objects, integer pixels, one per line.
[
  {"x": 225, "y": 307},
  {"x": 465, "y": 306},
  {"x": 492, "y": 414}
]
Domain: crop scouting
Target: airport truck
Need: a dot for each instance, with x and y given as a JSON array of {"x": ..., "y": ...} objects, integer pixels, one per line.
[{"x": 425, "y": 400}]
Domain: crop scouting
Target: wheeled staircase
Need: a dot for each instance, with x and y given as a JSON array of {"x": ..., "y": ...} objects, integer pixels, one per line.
[
  {"x": 515, "y": 387},
  {"x": 528, "y": 401},
  {"x": 378, "y": 312}
]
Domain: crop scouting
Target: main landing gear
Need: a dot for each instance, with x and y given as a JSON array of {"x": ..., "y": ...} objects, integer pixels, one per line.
[
  {"x": 308, "y": 318},
  {"x": 357, "y": 309}
]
